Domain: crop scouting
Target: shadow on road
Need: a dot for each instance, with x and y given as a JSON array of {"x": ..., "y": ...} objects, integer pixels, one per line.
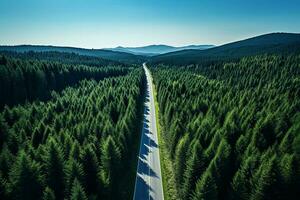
[
  {"x": 145, "y": 173},
  {"x": 147, "y": 142}
]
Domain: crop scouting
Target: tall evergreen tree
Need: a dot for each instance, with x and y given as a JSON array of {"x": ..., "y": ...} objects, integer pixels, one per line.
[
  {"x": 54, "y": 166},
  {"x": 5, "y": 161},
  {"x": 205, "y": 188},
  {"x": 265, "y": 181},
  {"x": 90, "y": 165},
  {"x": 194, "y": 168},
  {"x": 74, "y": 170},
  {"x": 77, "y": 191},
  {"x": 180, "y": 159},
  {"x": 110, "y": 161},
  {"x": 26, "y": 179},
  {"x": 48, "y": 194},
  {"x": 75, "y": 151}
]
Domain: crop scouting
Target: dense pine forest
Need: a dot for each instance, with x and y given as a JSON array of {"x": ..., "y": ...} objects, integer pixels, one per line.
[
  {"x": 231, "y": 130},
  {"x": 27, "y": 80},
  {"x": 80, "y": 142},
  {"x": 68, "y": 58}
]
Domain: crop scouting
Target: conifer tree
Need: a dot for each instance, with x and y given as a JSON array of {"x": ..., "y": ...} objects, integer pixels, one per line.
[
  {"x": 110, "y": 161},
  {"x": 73, "y": 170},
  {"x": 54, "y": 166},
  {"x": 5, "y": 161},
  {"x": 78, "y": 192},
  {"x": 265, "y": 181},
  {"x": 90, "y": 165},
  {"x": 180, "y": 159},
  {"x": 48, "y": 194},
  {"x": 194, "y": 168},
  {"x": 26, "y": 179},
  {"x": 205, "y": 188},
  {"x": 241, "y": 181},
  {"x": 75, "y": 151}
]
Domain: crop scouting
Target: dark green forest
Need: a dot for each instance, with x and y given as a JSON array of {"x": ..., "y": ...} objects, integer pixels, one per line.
[
  {"x": 80, "y": 142},
  {"x": 67, "y": 58},
  {"x": 114, "y": 56},
  {"x": 232, "y": 129},
  {"x": 24, "y": 80}
]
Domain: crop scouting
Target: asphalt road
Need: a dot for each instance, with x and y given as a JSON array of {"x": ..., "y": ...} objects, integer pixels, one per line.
[{"x": 148, "y": 184}]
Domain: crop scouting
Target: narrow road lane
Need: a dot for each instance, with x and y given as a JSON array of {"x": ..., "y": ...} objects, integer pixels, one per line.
[{"x": 148, "y": 184}]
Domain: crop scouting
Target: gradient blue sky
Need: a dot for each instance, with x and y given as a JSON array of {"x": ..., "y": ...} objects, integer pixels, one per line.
[{"x": 110, "y": 23}]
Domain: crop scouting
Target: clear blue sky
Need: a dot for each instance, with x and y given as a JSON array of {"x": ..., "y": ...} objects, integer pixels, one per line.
[{"x": 109, "y": 23}]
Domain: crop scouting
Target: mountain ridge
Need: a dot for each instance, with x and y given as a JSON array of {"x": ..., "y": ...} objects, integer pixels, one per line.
[
  {"x": 156, "y": 49},
  {"x": 266, "y": 43}
]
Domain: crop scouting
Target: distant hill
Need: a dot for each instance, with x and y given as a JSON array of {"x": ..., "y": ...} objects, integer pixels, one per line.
[
  {"x": 106, "y": 54},
  {"x": 269, "y": 43},
  {"x": 152, "y": 50}
]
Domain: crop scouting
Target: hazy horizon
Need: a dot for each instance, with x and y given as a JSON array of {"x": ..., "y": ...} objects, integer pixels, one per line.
[{"x": 133, "y": 23}]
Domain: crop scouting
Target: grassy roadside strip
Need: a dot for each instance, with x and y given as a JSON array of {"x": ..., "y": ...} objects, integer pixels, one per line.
[{"x": 168, "y": 180}]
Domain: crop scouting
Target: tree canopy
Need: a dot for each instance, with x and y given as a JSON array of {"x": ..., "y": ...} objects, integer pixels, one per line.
[{"x": 230, "y": 126}]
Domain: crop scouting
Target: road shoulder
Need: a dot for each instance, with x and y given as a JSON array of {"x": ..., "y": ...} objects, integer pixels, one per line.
[{"x": 168, "y": 179}]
